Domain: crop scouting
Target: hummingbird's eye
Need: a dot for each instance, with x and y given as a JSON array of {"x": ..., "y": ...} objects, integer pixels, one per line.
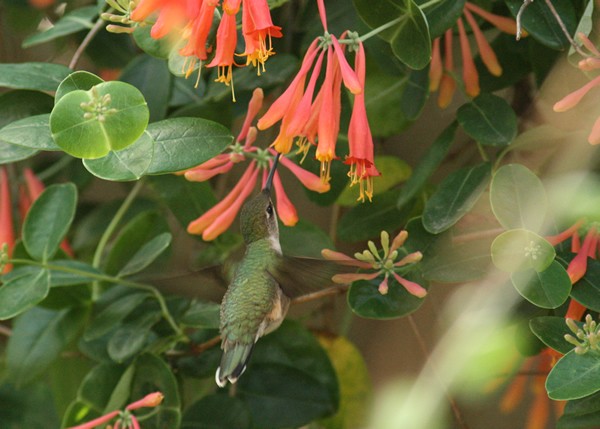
[{"x": 269, "y": 210}]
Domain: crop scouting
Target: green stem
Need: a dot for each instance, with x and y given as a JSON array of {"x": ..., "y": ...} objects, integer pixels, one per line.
[
  {"x": 54, "y": 168},
  {"x": 378, "y": 30},
  {"x": 484, "y": 155},
  {"x": 429, "y": 4},
  {"x": 110, "y": 279},
  {"x": 109, "y": 231},
  {"x": 86, "y": 41}
]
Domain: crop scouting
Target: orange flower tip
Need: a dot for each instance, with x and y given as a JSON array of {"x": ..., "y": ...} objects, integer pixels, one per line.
[
  {"x": 151, "y": 400},
  {"x": 562, "y": 105},
  {"x": 495, "y": 69}
]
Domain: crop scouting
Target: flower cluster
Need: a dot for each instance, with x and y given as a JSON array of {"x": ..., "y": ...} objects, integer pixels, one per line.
[
  {"x": 590, "y": 63},
  {"x": 441, "y": 75},
  {"x": 125, "y": 419},
  {"x": 216, "y": 220},
  {"x": 383, "y": 263},
  {"x": 310, "y": 119},
  {"x": 28, "y": 193},
  {"x": 192, "y": 20},
  {"x": 586, "y": 338}
]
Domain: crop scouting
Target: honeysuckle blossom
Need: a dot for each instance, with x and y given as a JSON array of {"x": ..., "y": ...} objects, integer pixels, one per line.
[
  {"x": 309, "y": 116},
  {"x": 191, "y": 22},
  {"x": 441, "y": 72},
  {"x": 220, "y": 217},
  {"x": 382, "y": 263},
  {"x": 125, "y": 419},
  {"x": 533, "y": 373},
  {"x": 591, "y": 62}
]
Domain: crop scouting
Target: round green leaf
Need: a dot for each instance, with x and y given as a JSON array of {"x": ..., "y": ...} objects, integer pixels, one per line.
[
  {"x": 76, "y": 20},
  {"x": 32, "y": 132},
  {"x": 110, "y": 316},
  {"x": 518, "y": 198},
  {"x": 146, "y": 254},
  {"x": 365, "y": 300},
  {"x": 88, "y": 124},
  {"x": 489, "y": 119},
  {"x": 520, "y": 250},
  {"x": 202, "y": 314},
  {"x": 547, "y": 289},
  {"x": 78, "y": 80},
  {"x": 574, "y": 376},
  {"x": 131, "y": 337},
  {"x": 455, "y": 196},
  {"x": 48, "y": 220},
  {"x": 11, "y": 152},
  {"x": 442, "y": 15}
]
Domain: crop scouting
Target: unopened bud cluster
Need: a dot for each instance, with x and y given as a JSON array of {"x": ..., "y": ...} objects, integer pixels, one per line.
[
  {"x": 4, "y": 256},
  {"x": 124, "y": 9},
  {"x": 386, "y": 261},
  {"x": 98, "y": 107},
  {"x": 588, "y": 336}
]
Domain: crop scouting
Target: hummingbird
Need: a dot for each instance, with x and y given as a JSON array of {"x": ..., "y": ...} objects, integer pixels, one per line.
[{"x": 262, "y": 287}]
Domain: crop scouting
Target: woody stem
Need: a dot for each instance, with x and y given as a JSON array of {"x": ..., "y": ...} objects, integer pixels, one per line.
[{"x": 86, "y": 41}]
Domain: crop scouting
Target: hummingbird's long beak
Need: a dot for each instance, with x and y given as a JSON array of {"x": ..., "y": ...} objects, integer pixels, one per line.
[{"x": 269, "y": 182}]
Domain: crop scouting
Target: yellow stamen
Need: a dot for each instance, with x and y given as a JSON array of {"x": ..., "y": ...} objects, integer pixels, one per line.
[{"x": 303, "y": 147}]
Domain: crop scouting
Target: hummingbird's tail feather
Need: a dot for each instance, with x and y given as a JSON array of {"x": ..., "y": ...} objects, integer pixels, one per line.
[{"x": 233, "y": 363}]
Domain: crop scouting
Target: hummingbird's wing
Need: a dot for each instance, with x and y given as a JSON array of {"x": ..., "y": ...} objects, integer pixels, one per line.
[{"x": 299, "y": 276}]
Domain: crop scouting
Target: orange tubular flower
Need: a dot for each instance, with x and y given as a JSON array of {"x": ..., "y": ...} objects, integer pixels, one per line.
[
  {"x": 226, "y": 42},
  {"x": 220, "y": 217},
  {"x": 7, "y": 233},
  {"x": 444, "y": 81},
  {"x": 360, "y": 140},
  {"x": 258, "y": 29}
]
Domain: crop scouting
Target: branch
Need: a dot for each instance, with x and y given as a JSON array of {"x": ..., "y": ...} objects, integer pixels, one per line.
[{"x": 86, "y": 41}]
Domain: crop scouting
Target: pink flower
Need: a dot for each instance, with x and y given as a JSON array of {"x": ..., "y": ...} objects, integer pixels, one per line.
[
  {"x": 125, "y": 420},
  {"x": 219, "y": 218},
  {"x": 7, "y": 233},
  {"x": 382, "y": 265}
]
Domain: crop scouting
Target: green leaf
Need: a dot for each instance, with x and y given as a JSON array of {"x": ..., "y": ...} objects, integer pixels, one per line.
[
  {"x": 152, "y": 374},
  {"x": 113, "y": 314},
  {"x": 541, "y": 24},
  {"x": 587, "y": 290},
  {"x": 72, "y": 22},
  {"x": 37, "y": 76},
  {"x": 201, "y": 314},
  {"x": 409, "y": 38},
  {"x": 574, "y": 376},
  {"x": 448, "y": 262},
  {"x": 174, "y": 144},
  {"x": 581, "y": 413},
  {"x": 384, "y": 93},
  {"x": 12, "y": 153},
  {"x": 518, "y": 198},
  {"x": 48, "y": 220},
  {"x": 131, "y": 337},
  {"x": 370, "y": 218},
  {"x": 393, "y": 171},
  {"x": 427, "y": 165},
  {"x": 489, "y": 119},
  {"x": 365, "y": 300},
  {"x": 355, "y": 383},
  {"x": 146, "y": 254},
  {"x": 39, "y": 336},
  {"x": 32, "y": 133},
  {"x": 217, "y": 412},
  {"x": 60, "y": 277},
  {"x": 289, "y": 371},
  {"x": 159, "y": 48},
  {"x": 98, "y": 385},
  {"x": 303, "y": 239},
  {"x": 77, "y": 80},
  {"x": 137, "y": 233},
  {"x": 122, "y": 119},
  {"x": 547, "y": 289},
  {"x": 19, "y": 104},
  {"x": 455, "y": 196},
  {"x": 442, "y": 15},
  {"x": 521, "y": 250},
  {"x": 25, "y": 287},
  {"x": 151, "y": 76},
  {"x": 551, "y": 331},
  {"x": 415, "y": 94}
]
